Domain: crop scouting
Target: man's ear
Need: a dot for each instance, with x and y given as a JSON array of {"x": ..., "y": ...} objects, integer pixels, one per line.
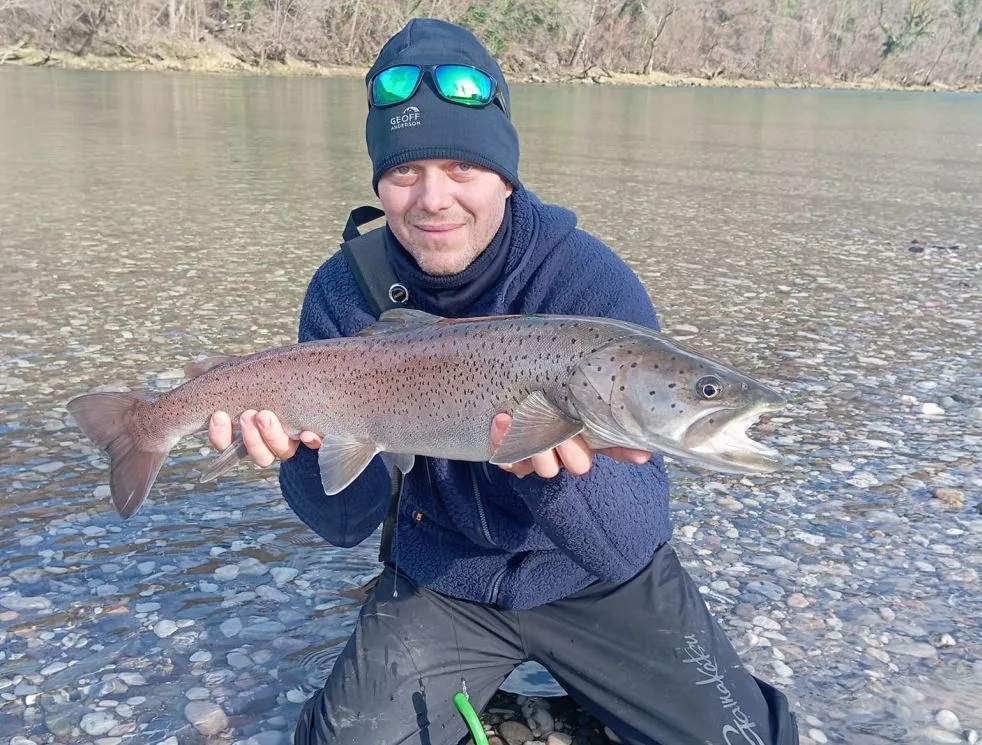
[{"x": 509, "y": 189}]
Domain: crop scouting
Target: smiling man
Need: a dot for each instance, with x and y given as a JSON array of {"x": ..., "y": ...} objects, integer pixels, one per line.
[{"x": 565, "y": 558}]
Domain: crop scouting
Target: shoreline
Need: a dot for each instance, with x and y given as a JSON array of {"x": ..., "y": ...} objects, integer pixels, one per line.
[{"x": 222, "y": 61}]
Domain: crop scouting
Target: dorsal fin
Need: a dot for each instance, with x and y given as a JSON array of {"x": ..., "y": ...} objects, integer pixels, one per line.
[
  {"x": 400, "y": 319},
  {"x": 200, "y": 367}
]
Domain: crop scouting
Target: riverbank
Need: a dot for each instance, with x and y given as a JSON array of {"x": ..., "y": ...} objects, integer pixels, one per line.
[{"x": 222, "y": 60}]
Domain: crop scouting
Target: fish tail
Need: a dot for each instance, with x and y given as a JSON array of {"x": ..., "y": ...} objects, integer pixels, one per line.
[{"x": 113, "y": 421}]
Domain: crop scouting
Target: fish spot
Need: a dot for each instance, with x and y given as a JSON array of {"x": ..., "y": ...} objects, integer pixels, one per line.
[{"x": 671, "y": 385}]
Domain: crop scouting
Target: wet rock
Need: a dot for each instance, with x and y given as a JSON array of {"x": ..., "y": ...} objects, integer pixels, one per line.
[
  {"x": 515, "y": 733},
  {"x": 948, "y": 720},
  {"x": 951, "y": 497},
  {"x": 98, "y": 723},
  {"x": 19, "y": 603},
  {"x": 165, "y": 628},
  {"x": 206, "y": 717}
]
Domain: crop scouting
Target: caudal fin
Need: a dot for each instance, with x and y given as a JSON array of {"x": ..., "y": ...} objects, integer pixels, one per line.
[{"x": 110, "y": 420}]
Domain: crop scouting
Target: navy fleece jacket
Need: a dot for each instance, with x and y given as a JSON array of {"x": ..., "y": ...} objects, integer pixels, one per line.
[{"x": 472, "y": 530}]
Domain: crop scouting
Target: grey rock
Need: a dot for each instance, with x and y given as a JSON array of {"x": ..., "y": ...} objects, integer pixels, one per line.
[{"x": 206, "y": 717}]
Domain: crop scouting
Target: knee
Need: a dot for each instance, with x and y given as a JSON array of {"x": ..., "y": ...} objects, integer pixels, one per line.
[{"x": 321, "y": 723}]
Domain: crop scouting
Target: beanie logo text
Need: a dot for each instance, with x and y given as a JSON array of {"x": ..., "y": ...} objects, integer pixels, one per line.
[{"x": 408, "y": 118}]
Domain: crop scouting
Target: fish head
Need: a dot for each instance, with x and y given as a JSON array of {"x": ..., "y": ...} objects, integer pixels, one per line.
[{"x": 662, "y": 396}]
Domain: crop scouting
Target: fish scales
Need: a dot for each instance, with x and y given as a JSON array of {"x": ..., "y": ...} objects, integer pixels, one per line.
[
  {"x": 410, "y": 392},
  {"x": 416, "y": 384}
]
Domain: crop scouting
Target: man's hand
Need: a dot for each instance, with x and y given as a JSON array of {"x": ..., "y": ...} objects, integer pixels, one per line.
[
  {"x": 262, "y": 434},
  {"x": 574, "y": 454}
]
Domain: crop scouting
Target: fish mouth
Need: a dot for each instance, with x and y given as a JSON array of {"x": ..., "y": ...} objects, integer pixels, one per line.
[{"x": 719, "y": 440}]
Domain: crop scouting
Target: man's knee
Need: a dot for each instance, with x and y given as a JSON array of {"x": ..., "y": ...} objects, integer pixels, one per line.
[{"x": 322, "y": 723}]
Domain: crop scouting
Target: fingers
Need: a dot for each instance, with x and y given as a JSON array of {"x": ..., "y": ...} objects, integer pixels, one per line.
[
  {"x": 220, "y": 430},
  {"x": 264, "y": 437},
  {"x": 627, "y": 455},
  {"x": 576, "y": 455},
  {"x": 499, "y": 426},
  {"x": 311, "y": 439}
]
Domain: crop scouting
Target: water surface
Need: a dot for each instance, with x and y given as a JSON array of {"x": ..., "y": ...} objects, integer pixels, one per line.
[{"x": 829, "y": 243}]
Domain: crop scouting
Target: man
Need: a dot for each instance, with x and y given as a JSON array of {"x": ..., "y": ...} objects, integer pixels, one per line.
[{"x": 563, "y": 558}]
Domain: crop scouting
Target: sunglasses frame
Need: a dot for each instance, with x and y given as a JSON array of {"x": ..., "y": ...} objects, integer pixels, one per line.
[{"x": 496, "y": 97}]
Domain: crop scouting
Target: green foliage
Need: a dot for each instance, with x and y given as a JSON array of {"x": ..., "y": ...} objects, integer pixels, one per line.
[
  {"x": 916, "y": 24},
  {"x": 239, "y": 13},
  {"x": 505, "y": 22}
]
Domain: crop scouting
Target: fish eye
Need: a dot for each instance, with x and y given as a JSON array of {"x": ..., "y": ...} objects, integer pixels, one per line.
[{"x": 709, "y": 386}]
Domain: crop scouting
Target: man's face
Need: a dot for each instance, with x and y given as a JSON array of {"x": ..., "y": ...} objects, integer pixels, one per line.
[{"x": 444, "y": 212}]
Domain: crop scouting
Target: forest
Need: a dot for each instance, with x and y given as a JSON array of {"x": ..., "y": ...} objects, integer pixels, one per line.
[{"x": 822, "y": 42}]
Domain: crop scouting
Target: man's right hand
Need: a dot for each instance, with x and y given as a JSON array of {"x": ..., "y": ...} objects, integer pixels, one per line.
[{"x": 262, "y": 434}]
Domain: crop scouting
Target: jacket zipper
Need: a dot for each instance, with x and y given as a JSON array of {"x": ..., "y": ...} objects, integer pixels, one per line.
[
  {"x": 496, "y": 585},
  {"x": 480, "y": 509}
]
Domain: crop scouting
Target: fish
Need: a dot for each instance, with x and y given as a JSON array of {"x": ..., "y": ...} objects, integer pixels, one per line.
[{"x": 416, "y": 384}]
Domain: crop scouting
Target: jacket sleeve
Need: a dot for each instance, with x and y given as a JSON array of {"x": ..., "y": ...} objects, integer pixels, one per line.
[
  {"x": 611, "y": 519},
  {"x": 349, "y": 517}
]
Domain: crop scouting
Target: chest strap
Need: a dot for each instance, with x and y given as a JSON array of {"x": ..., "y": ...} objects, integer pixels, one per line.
[{"x": 367, "y": 260}]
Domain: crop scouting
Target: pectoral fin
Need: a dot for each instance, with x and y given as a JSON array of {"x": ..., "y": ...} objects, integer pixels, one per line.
[
  {"x": 403, "y": 461},
  {"x": 342, "y": 460},
  {"x": 537, "y": 425},
  {"x": 229, "y": 459}
]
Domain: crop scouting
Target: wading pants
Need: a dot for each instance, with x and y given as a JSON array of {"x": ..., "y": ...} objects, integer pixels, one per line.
[{"x": 645, "y": 657}]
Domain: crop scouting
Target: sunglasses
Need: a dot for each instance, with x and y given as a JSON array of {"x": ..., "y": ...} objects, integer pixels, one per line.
[{"x": 460, "y": 84}]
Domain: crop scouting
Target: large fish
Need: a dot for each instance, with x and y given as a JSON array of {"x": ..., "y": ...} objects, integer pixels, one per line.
[{"x": 417, "y": 384}]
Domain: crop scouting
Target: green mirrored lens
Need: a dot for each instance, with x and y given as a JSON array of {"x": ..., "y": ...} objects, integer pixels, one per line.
[
  {"x": 464, "y": 84},
  {"x": 395, "y": 84}
]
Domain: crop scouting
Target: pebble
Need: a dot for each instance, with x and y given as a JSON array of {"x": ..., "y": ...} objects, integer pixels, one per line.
[
  {"x": 282, "y": 575},
  {"x": 18, "y": 603},
  {"x": 238, "y": 660},
  {"x": 948, "y": 720},
  {"x": 558, "y": 738},
  {"x": 227, "y": 572},
  {"x": 230, "y": 627},
  {"x": 163, "y": 629},
  {"x": 818, "y": 736},
  {"x": 202, "y": 655},
  {"x": 515, "y": 733},
  {"x": 206, "y": 717},
  {"x": 98, "y": 723},
  {"x": 766, "y": 623},
  {"x": 951, "y": 497},
  {"x": 936, "y": 734},
  {"x": 913, "y": 649}
]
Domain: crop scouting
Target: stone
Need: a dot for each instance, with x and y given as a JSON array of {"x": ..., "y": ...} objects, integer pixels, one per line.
[
  {"x": 98, "y": 723},
  {"x": 206, "y": 717},
  {"x": 165, "y": 628},
  {"x": 951, "y": 497},
  {"x": 948, "y": 719},
  {"x": 515, "y": 733}
]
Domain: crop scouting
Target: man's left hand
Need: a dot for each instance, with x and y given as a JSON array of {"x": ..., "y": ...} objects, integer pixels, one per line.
[{"x": 574, "y": 454}]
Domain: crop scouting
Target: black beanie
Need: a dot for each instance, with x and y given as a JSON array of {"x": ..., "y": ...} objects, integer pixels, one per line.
[{"x": 437, "y": 128}]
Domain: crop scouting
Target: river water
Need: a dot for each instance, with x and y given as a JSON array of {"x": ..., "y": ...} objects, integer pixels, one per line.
[{"x": 828, "y": 242}]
